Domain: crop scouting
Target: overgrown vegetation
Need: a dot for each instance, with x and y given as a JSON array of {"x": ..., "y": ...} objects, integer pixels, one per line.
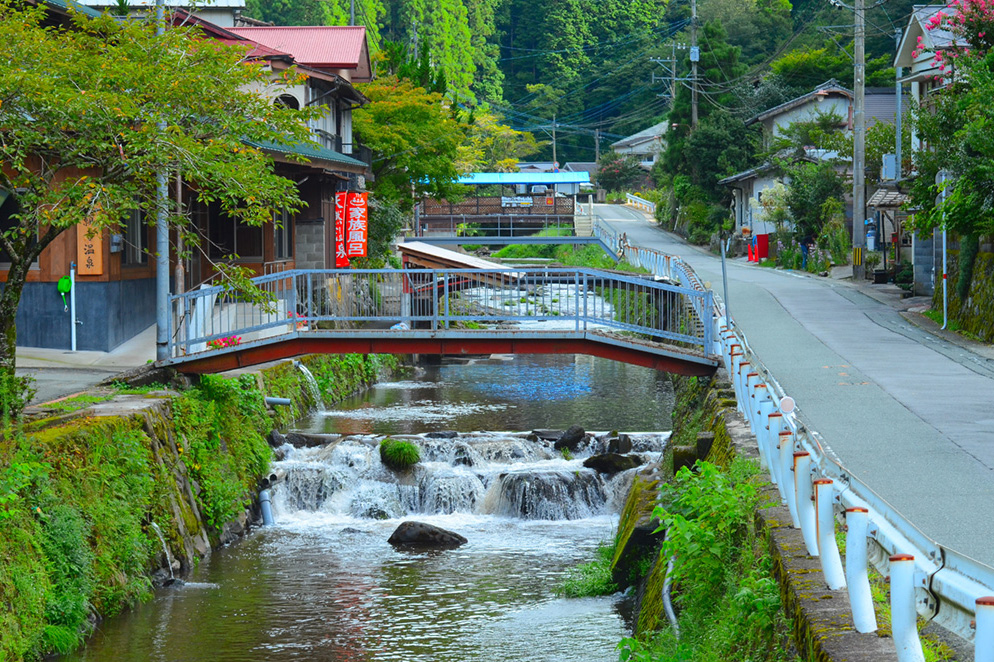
[
  {"x": 399, "y": 454},
  {"x": 77, "y": 500},
  {"x": 727, "y": 600},
  {"x": 591, "y": 578}
]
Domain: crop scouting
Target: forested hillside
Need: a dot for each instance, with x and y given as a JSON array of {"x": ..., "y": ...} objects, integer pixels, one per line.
[{"x": 593, "y": 59}]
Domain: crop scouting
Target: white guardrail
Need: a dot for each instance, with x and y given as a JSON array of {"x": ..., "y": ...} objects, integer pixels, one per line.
[
  {"x": 926, "y": 578},
  {"x": 640, "y": 203}
]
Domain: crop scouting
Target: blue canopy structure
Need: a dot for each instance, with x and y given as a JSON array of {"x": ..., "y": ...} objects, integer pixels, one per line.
[{"x": 512, "y": 178}]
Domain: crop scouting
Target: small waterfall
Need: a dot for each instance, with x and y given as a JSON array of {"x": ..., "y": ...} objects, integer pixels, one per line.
[
  {"x": 169, "y": 557},
  {"x": 547, "y": 494},
  {"x": 502, "y": 474},
  {"x": 312, "y": 384}
]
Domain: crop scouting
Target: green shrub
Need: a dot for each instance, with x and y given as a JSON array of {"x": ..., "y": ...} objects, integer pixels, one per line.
[
  {"x": 728, "y": 602},
  {"x": 589, "y": 579},
  {"x": 398, "y": 454}
]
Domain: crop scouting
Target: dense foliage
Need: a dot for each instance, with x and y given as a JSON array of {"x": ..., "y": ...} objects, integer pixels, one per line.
[
  {"x": 727, "y": 600},
  {"x": 96, "y": 93}
]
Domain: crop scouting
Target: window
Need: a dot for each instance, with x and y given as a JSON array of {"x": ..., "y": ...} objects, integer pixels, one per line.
[
  {"x": 283, "y": 235},
  {"x": 135, "y": 231},
  {"x": 232, "y": 237}
]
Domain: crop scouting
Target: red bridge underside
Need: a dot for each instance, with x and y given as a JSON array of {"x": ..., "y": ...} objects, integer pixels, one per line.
[{"x": 254, "y": 355}]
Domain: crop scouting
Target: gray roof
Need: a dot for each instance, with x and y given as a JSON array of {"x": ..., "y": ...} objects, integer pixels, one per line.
[
  {"x": 934, "y": 40},
  {"x": 645, "y": 135},
  {"x": 581, "y": 166},
  {"x": 828, "y": 87}
]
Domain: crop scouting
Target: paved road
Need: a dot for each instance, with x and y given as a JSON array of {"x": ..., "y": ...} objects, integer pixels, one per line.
[{"x": 908, "y": 413}]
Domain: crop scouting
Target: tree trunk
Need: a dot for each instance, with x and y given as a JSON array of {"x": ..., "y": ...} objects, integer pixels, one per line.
[{"x": 10, "y": 299}]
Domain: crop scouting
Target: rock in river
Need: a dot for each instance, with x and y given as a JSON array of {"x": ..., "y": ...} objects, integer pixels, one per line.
[
  {"x": 612, "y": 463},
  {"x": 419, "y": 534},
  {"x": 571, "y": 439}
]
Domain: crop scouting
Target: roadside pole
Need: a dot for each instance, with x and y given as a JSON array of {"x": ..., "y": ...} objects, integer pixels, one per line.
[
  {"x": 859, "y": 145},
  {"x": 161, "y": 234}
]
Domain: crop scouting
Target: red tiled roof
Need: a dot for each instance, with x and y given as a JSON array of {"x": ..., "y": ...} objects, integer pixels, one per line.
[
  {"x": 254, "y": 49},
  {"x": 322, "y": 47}
]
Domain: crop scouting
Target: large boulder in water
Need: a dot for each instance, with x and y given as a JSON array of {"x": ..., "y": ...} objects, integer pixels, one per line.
[
  {"x": 571, "y": 439},
  {"x": 612, "y": 463},
  {"x": 419, "y": 534},
  {"x": 621, "y": 445}
]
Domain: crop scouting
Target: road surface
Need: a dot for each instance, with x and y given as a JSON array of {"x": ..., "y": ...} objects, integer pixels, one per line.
[{"x": 908, "y": 413}]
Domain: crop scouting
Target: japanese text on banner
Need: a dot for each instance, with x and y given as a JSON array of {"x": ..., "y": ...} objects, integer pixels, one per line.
[
  {"x": 357, "y": 225},
  {"x": 341, "y": 209}
]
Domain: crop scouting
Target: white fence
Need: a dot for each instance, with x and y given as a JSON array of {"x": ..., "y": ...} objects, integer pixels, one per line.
[
  {"x": 927, "y": 579},
  {"x": 640, "y": 203}
]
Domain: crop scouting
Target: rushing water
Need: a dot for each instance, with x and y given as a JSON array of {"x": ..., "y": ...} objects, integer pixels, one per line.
[{"x": 323, "y": 584}]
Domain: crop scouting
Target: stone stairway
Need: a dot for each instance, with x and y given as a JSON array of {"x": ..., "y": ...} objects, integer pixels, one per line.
[{"x": 583, "y": 226}]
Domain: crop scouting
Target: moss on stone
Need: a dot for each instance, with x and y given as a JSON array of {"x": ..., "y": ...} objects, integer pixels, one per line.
[{"x": 975, "y": 314}]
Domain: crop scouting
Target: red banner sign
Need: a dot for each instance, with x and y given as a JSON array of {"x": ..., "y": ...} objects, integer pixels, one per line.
[
  {"x": 357, "y": 225},
  {"x": 341, "y": 208}
]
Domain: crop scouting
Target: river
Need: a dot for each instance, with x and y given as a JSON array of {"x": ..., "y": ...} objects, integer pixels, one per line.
[{"x": 323, "y": 584}]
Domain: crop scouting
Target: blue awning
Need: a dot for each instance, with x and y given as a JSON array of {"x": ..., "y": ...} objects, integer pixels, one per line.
[{"x": 511, "y": 178}]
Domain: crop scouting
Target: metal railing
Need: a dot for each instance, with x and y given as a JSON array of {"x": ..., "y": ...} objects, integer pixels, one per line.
[
  {"x": 640, "y": 203},
  {"x": 299, "y": 301},
  {"x": 926, "y": 577},
  {"x": 502, "y": 225}
]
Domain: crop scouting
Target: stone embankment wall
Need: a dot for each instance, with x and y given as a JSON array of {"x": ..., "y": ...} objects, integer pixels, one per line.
[
  {"x": 976, "y": 314},
  {"x": 707, "y": 426},
  {"x": 84, "y": 495}
]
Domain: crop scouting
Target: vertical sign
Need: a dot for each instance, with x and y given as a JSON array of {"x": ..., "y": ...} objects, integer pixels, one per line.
[
  {"x": 357, "y": 225},
  {"x": 89, "y": 250},
  {"x": 341, "y": 208}
]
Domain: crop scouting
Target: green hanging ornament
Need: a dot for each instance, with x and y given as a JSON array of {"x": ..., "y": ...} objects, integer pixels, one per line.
[{"x": 65, "y": 287}]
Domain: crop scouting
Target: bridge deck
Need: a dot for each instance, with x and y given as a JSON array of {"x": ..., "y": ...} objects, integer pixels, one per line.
[{"x": 658, "y": 356}]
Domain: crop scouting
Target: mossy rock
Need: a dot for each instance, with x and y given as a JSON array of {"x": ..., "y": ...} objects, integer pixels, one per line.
[{"x": 399, "y": 454}]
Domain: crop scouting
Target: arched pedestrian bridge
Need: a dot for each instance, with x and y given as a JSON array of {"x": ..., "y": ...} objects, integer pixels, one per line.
[{"x": 641, "y": 319}]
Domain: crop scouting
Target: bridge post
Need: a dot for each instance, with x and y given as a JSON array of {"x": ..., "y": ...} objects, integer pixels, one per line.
[
  {"x": 707, "y": 319},
  {"x": 310, "y": 299},
  {"x": 584, "y": 301},
  {"x": 576, "y": 289}
]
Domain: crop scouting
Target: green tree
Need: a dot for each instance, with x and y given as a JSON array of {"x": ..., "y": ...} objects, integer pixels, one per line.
[
  {"x": 414, "y": 138},
  {"x": 80, "y": 107},
  {"x": 811, "y": 185},
  {"x": 618, "y": 172},
  {"x": 492, "y": 146}
]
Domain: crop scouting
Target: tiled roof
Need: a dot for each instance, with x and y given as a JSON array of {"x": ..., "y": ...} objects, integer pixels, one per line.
[
  {"x": 322, "y": 47},
  {"x": 309, "y": 152},
  {"x": 654, "y": 132}
]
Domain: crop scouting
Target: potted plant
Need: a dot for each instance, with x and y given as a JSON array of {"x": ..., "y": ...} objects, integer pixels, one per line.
[{"x": 872, "y": 260}]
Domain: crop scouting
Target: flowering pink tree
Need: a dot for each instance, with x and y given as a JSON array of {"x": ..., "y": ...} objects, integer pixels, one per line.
[{"x": 971, "y": 23}]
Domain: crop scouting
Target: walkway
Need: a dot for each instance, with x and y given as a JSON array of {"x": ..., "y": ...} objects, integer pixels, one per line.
[{"x": 910, "y": 413}]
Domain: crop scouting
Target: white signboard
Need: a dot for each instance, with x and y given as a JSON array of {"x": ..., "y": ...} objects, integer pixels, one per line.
[{"x": 519, "y": 201}]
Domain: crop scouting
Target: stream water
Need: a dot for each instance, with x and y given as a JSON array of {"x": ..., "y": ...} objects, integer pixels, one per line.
[{"x": 323, "y": 583}]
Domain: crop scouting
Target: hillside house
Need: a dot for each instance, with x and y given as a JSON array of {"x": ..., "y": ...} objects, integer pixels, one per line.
[{"x": 116, "y": 295}]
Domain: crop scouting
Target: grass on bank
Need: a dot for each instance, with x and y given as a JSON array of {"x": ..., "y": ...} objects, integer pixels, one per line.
[
  {"x": 398, "y": 454},
  {"x": 590, "y": 579},
  {"x": 728, "y": 602}
]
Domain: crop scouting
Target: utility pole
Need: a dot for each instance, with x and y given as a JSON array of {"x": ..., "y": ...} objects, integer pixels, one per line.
[
  {"x": 161, "y": 232},
  {"x": 672, "y": 74},
  {"x": 597, "y": 145},
  {"x": 899, "y": 91},
  {"x": 859, "y": 145},
  {"x": 554, "y": 159},
  {"x": 695, "y": 55},
  {"x": 351, "y": 12}
]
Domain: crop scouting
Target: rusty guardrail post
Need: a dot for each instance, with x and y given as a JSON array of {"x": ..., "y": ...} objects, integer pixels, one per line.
[
  {"x": 860, "y": 599},
  {"x": 828, "y": 550},
  {"x": 903, "y": 616}
]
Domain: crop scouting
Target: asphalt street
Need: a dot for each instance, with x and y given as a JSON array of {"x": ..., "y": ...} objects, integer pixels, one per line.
[{"x": 908, "y": 413}]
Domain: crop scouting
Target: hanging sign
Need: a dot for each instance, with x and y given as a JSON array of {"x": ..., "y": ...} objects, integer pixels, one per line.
[
  {"x": 89, "y": 250},
  {"x": 357, "y": 225},
  {"x": 341, "y": 207}
]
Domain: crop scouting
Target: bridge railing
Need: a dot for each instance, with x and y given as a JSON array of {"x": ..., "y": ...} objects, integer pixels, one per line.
[
  {"x": 496, "y": 225},
  {"x": 640, "y": 203},
  {"x": 299, "y": 301}
]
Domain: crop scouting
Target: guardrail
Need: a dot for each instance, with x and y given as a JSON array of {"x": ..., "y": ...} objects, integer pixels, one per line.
[
  {"x": 302, "y": 300},
  {"x": 497, "y": 225},
  {"x": 640, "y": 203},
  {"x": 926, "y": 577}
]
